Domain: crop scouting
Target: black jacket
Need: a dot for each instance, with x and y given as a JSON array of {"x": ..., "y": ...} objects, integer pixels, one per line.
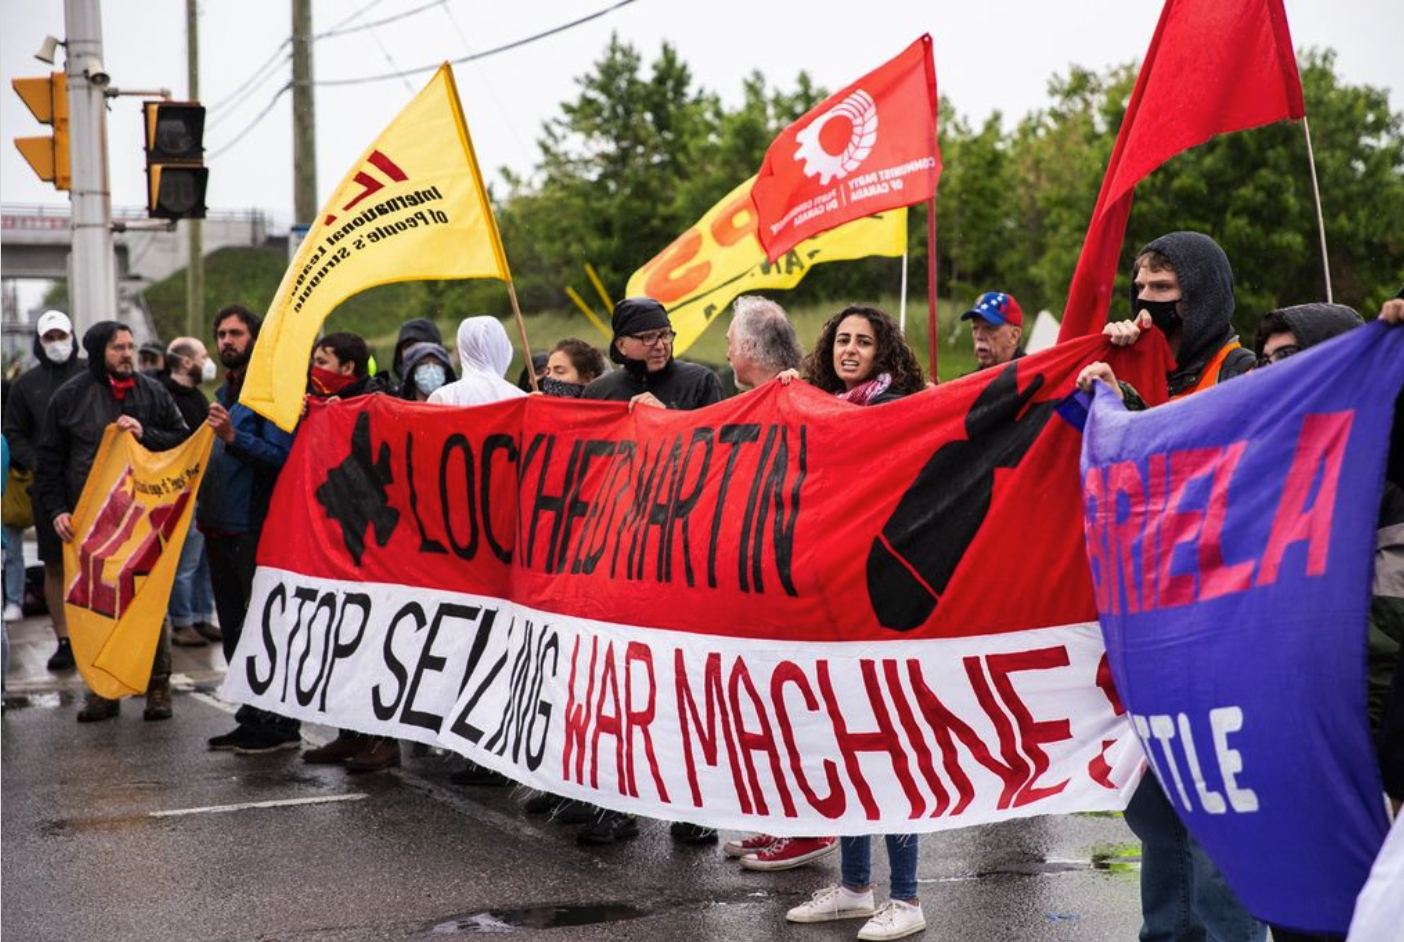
[
  {"x": 194, "y": 407},
  {"x": 678, "y": 385},
  {"x": 79, "y": 412},
  {"x": 29, "y": 400}
]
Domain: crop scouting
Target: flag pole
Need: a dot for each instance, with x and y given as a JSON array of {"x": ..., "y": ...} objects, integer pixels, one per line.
[
  {"x": 1320, "y": 219},
  {"x": 934, "y": 321},
  {"x": 902, "y": 302},
  {"x": 521, "y": 328}
]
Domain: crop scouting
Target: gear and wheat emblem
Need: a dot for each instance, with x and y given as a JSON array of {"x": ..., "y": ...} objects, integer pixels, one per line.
[{"x": 860, "y": 111}]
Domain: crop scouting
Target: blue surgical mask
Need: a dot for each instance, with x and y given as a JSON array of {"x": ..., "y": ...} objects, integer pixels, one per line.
[{"x": 429, "y": 377}]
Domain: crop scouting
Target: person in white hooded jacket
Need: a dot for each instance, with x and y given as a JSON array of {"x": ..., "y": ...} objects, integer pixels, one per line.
[{"x": 484, "y": 353}]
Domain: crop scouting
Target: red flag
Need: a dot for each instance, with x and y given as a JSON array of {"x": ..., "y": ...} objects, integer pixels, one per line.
[
  {"x": 1213, "y": 67},
  {"x": 868, "y": 148}
]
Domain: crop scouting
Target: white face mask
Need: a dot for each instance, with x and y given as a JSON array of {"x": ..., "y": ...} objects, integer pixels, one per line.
[
  {"x": 58, "y": 350},
  {"x": 207, "y": 372}
]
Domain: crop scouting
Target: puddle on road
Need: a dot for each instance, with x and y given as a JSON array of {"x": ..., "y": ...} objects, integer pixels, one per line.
[
  {"x": 538, "y": 917},
  {"x": 1124, "y": 858},
  {"x": 41, "y": 701}
]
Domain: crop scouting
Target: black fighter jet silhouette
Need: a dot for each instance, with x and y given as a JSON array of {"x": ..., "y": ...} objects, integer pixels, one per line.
[
  {"x": 912, "y": 561},
  {"x": 354, "y": 492}
]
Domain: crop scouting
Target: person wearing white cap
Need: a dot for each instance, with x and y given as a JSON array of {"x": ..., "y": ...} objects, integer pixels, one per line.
[{"x": 24, "y": 418}]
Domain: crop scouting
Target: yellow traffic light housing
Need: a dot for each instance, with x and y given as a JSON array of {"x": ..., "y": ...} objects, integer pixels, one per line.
[
  {"x": 47, "y": 99},
  {"x": 176, "y": 176}
]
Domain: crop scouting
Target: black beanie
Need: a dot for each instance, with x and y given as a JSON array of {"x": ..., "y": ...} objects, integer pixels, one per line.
[{"x": 636, "y": 316}]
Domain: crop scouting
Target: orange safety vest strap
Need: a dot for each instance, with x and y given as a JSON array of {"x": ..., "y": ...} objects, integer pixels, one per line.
[{"x": 1210, "y": 376}]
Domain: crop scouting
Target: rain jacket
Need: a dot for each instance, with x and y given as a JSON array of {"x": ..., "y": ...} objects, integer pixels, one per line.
[
  {"x": 484, "y": 353},
  {"x": 412, "y": 359},
  {"x": 678, "y": 385},
  {"x": 240, "y": 478},
  {"x": 29, "y": 400}
]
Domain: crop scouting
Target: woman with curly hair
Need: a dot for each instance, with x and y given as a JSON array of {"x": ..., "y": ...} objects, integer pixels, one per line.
[{"x": 862, "y": 357}]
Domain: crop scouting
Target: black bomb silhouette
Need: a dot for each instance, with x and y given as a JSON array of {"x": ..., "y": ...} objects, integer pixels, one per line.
[
  {"x": 354, "y": 492},
  {"x": 911, "y": 562}
]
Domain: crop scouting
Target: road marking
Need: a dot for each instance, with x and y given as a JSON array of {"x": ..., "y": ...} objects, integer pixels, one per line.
[
  {"x": 215, "y": 702},
  {"x": 242, "y": 806}
]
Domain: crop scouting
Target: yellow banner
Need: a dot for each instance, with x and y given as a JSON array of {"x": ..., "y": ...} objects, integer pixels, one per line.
[
  {"x": 131, "y": 522},
  {"x": 412, "y": 207},
  {"x": 720, "y": 258}
]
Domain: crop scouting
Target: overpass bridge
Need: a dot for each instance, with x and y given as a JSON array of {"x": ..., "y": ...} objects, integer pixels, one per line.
[{"x": 35, "y": 243}]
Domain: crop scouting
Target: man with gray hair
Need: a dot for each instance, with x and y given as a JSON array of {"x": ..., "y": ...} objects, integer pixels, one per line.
[{"x": 761, "y": 341}]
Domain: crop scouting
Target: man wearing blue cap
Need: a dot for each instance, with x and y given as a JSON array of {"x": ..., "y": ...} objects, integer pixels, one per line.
[{"x": 996, "y": 323}]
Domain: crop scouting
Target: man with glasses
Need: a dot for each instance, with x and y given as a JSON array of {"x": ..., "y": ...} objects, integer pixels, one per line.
[{"x": 643, "y": 345}]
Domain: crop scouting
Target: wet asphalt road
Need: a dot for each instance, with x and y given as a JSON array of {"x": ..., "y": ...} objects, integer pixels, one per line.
[{"x": 90, "y": 849}]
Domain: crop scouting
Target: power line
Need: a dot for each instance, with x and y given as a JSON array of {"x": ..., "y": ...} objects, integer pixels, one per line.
[
  {"x": 287, "y": 86},
  {"x": 389, "y": 19},
  {"x": 480, "y": 55},
  {"x": 357, "y": 15},
  {"x": 252, "y": 79}
]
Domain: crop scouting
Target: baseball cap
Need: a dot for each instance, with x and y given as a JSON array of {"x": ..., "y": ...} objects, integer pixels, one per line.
[
  {"x": 997, "y": 308},
  {"x": 52, "y": 320}
]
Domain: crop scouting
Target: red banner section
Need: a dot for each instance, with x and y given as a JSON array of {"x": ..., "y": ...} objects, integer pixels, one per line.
[{"x": 748, "y": 615}]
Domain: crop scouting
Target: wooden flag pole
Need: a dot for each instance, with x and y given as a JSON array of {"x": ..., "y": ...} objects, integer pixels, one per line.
[
  {"x": 902, "y": 299},
  {"x": 933, "y": 318},
  {"x": 1320, "y": 219},
  {"x": 521, "y": 328}
]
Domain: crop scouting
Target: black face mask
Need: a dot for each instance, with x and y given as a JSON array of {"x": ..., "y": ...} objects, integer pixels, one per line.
[
  {"x": 1163, "y": 314},
  {"x": 560, "y": 388}
]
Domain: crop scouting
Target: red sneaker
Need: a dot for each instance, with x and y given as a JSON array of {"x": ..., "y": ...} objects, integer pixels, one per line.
[
  {"x": 751, "y": 845},
  {"x": 790, "y": 852}
]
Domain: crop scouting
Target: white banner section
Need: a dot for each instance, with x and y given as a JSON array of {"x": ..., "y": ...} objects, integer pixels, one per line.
[{"x": 786, "y": 737}]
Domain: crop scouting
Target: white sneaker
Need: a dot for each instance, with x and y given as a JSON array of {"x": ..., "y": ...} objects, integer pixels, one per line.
[
  {"x": 13, "y": 612},
  {"x": 834, "y": 902},
  {"x": 895, "y": 920}
]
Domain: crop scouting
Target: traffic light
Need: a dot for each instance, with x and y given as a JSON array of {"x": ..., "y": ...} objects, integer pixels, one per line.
[
  {"x": 175, "y": 171},
  {"x": 47, "y": 98}
]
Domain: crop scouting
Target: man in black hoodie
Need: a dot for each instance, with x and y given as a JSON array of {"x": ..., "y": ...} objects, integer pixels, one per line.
[
  {"x": 643, "y": 345},
  {"x": 109, "y": 391},
  {"x": 24, "y": 420},
  {"x": 413, "y": 331}
]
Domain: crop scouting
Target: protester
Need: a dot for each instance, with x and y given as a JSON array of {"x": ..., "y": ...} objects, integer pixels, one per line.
[
  {"x": 109, "y": 391},
  {"x": 191, "y": 609},
  {"x": 248, "y": 453},
  {"x": 18, "y": 516},
  {"x": 643, "y": 345},
  {"x": 341, "y": 368},
  {"x": 5, "y": 618},
  {"x": 760, "y": 345},
  {"x": 861, "y": 357},
  {"x": 414, "y": 331},
  {"x": 571, "y": 366},
  {"x": 484, "y": 353},
  {"x": 1183, "y": 285},
  {"x": 151, "y": 359},
  {"x": 427, "y": 367},
  {"x": 25, "y": 409},
  {"x": 538, "y": 363},
  {"x": 996, "y": 324}
]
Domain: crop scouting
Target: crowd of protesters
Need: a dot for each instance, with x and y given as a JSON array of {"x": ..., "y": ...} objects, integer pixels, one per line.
[{"x": 56, "y": 413}]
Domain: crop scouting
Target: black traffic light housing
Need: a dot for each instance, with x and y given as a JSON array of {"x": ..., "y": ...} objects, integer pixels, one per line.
[{"x": 176, "y": 175}]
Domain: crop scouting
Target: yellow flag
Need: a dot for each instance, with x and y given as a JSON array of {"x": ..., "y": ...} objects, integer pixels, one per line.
[
  {"x": 411, "y": 207},
  {"x": 131, "y": 522},
  {"x": 719, "y": 258}
]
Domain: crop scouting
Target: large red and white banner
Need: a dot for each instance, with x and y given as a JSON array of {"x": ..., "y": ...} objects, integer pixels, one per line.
[{"x": 782, "y": 612}]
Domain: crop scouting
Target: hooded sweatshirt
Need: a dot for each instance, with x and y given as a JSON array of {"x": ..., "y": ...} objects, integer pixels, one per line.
[
  {"x": 1206, "y": 307},
  {"x": 81, "y": 410},
  {"x": 29, "y": 400},
  {"x": 416, "y": 330},
  {"x": 1311, "y": 324},
  {"x": 414, "y": 356},
  {"x": 484, "y": 353}
]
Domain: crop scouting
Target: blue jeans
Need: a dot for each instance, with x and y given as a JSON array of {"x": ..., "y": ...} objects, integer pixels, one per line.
[
  {"x": 14, "y": 565},
  {"x": 856, "y": 863},
  {"x": 1184, "y": 897},
  {"x": 192, "y": 599}
]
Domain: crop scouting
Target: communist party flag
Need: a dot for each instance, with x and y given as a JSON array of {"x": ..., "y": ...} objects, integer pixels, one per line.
[
  {"x": 1212, "y": 67},
  {"x": 867, "y": 148},
  {"x": 720, "y": 257},
  {"x": 411, "y": 207},
  {"x": 131, "y": 521}
]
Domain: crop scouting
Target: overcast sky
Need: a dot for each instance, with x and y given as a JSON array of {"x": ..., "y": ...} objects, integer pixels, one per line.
[{"x": 990, "y": 54}]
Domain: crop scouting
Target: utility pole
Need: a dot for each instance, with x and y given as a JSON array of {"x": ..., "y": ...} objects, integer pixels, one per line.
[
  {"x": 195, "y": 228},
  {"x": 92, "y": 270},
  {"x": 304, "y": 117}
]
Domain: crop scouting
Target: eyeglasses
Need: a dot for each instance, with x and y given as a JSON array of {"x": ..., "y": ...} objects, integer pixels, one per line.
[
  {"x": 1278, "y": 355},
  {"x": 654, "y": 337}
]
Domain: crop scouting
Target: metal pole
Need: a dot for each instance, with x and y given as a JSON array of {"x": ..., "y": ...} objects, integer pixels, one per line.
[
  {"x": 304, "y": 117},
  {"x": 195, "y": 228},
  {"x": 1320, "y": 219},
  {"x": 92, "y": 280}
]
